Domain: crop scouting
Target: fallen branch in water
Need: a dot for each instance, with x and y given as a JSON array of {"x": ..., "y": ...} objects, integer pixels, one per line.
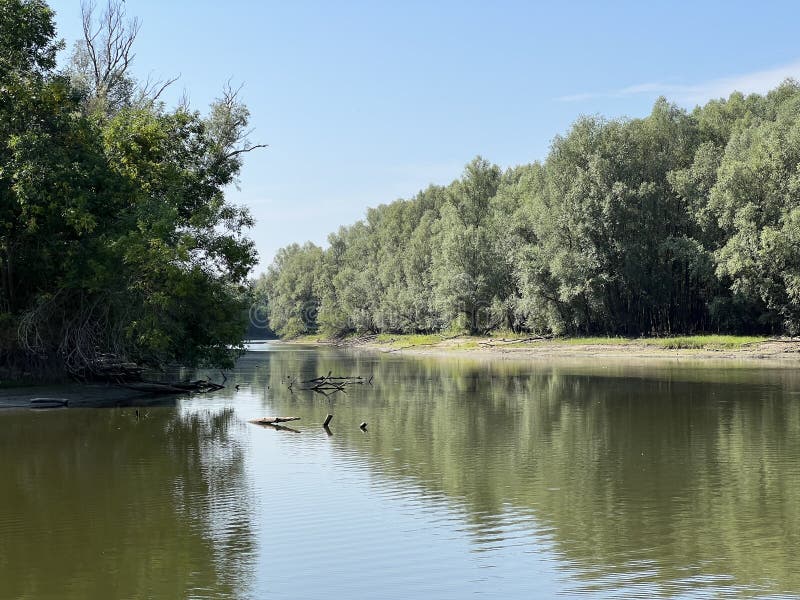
[
  {"x": 351, "y": 379},
  {"x": 154, "y": 387},
  {"x": 330, "y": 384},
  {"x": 113, "y": 369},
  {"x": 280, "y": 427},
  {"x": 49, "y": 403},
  {"x": 273, "y": 420}
]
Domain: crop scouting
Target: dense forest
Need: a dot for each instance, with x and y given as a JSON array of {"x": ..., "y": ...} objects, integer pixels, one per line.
[
  {"x": 115, "y": 234},
  {"x": 679, "y": 222}
]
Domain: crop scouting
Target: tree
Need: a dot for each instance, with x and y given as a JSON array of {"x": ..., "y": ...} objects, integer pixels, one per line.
[
  {"x": 293, "y": 303},
  {"x": 756, "y": 199},
  {"x": 464, "y": 267},
  {"x": 673, "y": 223},
  {"x": 27, "y": 45},
  {"x": 115, "y": 234},
  {"x": 100, "y": 64}
]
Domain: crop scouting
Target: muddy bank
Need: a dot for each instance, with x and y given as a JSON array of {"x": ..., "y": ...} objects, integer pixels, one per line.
[{"x": 80, "y": 396}]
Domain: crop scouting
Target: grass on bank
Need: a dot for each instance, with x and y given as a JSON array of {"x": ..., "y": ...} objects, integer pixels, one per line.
[
  {"x": 711, "y": 342},
  {"x": 451, "y": 340},
  {"x": 683, "y": 342}
]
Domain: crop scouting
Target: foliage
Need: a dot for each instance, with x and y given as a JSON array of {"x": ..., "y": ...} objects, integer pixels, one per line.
[
  {"x": 27, "y": 45},
  {"x": 115, "y": 235},
  {"x": 678, "y": 222},
  {"x": 289, "y": 286}
]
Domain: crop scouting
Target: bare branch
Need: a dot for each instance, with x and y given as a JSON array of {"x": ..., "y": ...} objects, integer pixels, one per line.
[
  {"x": 184, "y": 102},
  {"x": 109, "y": 44},
  {"x": 228, "y": 121},
  {"x": 245, "y": 150},
  {"x": 152, "y": 89}
]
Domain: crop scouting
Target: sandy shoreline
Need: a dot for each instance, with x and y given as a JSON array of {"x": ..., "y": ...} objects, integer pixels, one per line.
[{"x": 785, "y": 351}]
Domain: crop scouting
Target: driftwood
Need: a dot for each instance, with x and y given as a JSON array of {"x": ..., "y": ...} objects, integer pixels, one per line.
[
  {"x": 274, "y": 423},
  {"x": 330, "y": 384},
  {"x": 536, "y": 338},
  {"x": 201, "y": 386},
  {"x": 280, "y": 427},
  {"x": 328, "y": 377},
  {"x": 409, "y": 346},
  {"x": 110, "y": 368},
  {"x": 155, "y": 387},
  {"x": 355, "y": 341},
  {"x": 49, "y": 403},
  {"x": 273, "y": 420}
]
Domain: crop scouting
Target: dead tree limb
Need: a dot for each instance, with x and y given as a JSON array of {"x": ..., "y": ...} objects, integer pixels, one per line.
[
  {"x": 273, "y": 420},
  {"x": 109, "y": 43}
]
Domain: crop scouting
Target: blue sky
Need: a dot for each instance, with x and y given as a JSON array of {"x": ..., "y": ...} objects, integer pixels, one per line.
[{"x": 366, "y": 102}]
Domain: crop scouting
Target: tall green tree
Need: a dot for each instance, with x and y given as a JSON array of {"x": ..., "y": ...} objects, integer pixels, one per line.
[
  {"x": 756, "y": 199},
  {"x": 290, "y": 284},
  {"x": 115, "y": 234},
  {"x": 677, "y": 222},
  {"x": 465, "y": 264},
  {"x": 28, "y": 45}
]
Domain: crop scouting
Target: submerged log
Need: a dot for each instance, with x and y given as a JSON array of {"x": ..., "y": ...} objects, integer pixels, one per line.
[
  {"x": 273, "y": 420},
  {"x": 116, "y": 370},
  {"x": 280, "y": 427},
  {"x": 49, "y": 403},
  {"x": 201, "y": 385},
  {"x": 155, "y": 387}
]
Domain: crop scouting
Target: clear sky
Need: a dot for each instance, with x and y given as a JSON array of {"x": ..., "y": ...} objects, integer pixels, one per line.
[{"x": 366, "y": 102}]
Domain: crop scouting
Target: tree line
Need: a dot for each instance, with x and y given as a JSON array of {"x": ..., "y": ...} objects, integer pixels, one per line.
[
  {"x": 678, "y": 222},
  {"x": 115, "y": 234}
]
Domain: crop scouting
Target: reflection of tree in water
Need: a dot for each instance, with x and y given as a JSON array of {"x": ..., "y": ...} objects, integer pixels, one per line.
[
  {"x": 160, "y": 505},
  {"x": 687, "y": 472}
]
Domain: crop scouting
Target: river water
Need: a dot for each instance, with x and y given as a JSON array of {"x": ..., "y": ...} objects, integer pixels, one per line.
[{"x": 498, "y": 479}]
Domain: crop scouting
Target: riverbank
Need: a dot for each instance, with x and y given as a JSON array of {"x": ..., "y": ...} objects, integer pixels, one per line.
[
  {"x": 520, "y": 346},
  {"x": 80, "y": 396}
]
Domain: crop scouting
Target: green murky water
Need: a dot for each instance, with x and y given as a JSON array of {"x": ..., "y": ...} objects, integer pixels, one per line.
[{"x": 504, "y": 480}]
